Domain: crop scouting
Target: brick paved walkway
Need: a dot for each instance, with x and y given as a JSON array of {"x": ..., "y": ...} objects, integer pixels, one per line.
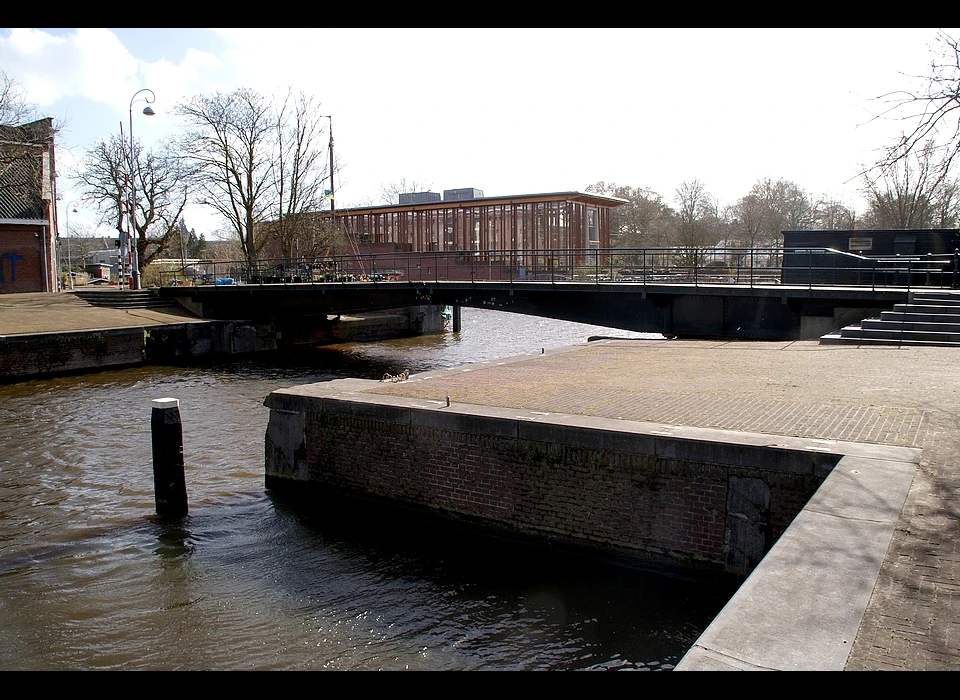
[{"x": 896, "y": 396}]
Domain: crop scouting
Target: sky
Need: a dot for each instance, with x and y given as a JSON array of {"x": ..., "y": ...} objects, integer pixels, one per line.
[{"x": 512, "y": 111}]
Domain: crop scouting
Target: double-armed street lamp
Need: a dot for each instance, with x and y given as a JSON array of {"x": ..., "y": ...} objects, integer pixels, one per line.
[{"x": 131, "y": 215}]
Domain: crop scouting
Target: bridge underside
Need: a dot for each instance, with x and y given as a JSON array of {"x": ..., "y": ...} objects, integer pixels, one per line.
[{"x": 760, "y": 313}]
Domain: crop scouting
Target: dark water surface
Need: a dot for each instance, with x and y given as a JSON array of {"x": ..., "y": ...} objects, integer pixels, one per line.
[{"x": 91, "y": 579}]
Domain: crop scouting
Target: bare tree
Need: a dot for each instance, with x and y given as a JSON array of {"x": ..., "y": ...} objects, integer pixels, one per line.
[
  {"x": 912, "y": 193},
  {"x": 696, "y": 211},
  {"x": 934, "y": 110},
  {"x": 162, "y": 192},
  {"x": 644, "y": 222},
  {"x": 832, "y": 215},
  {"x": 787, "y": 208},
  {"x": 231, "y": 144},
  {"x": 748, "y": 220},
  {"x": 299, "y": 174}
]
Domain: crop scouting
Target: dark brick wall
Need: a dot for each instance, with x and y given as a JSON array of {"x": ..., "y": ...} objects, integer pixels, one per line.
[{"x": 636, "y": 504}]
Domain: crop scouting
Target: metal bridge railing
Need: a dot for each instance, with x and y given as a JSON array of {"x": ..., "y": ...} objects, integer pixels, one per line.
[{"x": 685, "y": 266}]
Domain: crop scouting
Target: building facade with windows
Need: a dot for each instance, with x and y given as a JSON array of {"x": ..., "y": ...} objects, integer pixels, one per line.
[{"x": 515, "y": 228}]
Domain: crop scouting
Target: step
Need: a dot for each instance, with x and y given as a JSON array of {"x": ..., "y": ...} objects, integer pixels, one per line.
[
  {"x": 900, "y": 335},
  {"x": 936, "y": 294},
  {"x": 925, "y": 308},
  {"x": 837, "y": 339},
  {"x": 926, "y": 299},
  {"x": 897, "y": 324},
  {"x": 123, "y": 299},
  {"x": 919, "y": 317}
]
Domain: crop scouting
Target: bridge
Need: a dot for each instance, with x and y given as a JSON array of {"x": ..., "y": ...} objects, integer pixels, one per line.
[{"x": 728, "y": 293}]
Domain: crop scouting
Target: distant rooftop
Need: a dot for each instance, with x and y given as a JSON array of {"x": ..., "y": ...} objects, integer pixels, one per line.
[{"x": 576, "y": 196}]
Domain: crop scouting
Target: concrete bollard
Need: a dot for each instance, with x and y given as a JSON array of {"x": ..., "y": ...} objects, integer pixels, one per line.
[{"x": 170, "y": 488}]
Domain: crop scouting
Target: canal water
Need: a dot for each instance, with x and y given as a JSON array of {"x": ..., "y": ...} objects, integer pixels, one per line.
[{"x": 91, "y": 579}]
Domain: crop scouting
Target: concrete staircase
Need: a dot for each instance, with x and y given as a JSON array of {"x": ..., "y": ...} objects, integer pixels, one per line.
[
  {"x": 928, "y": 318},
  {"x": 123, "y": 298}
]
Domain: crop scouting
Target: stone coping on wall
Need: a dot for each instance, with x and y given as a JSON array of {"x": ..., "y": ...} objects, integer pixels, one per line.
[{"x": 802, "y": 605}]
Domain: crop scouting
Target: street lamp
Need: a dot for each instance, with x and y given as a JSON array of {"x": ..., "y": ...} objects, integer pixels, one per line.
[
  {"x": 330, "y": 192},
  {"x": 131, "y": 219},
  {"x": 70, "y": 206}
]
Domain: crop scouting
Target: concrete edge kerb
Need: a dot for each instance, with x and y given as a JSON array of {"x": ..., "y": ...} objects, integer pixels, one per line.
[
  {"x": 801, "y": 607},
  {"x": 32, "y": 337}
]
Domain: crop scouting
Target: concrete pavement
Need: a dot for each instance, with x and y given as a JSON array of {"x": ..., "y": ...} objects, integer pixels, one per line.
[{"x": 40, "y": 312}]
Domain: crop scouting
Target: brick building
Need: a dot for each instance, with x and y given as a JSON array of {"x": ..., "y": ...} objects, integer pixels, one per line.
[{"x": 28, "y": 254}]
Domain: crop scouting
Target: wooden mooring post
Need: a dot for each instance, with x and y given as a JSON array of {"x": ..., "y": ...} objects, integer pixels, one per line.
[
  {"x": 170, "y": 488},
  {"x": 457, "y": 322}
]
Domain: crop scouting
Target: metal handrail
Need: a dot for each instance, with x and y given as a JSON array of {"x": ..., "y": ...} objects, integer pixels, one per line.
[{"x": 809, "y": 267}]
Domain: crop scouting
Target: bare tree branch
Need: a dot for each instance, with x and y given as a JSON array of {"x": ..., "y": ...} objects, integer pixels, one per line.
[{"x": 934, "y": 111}]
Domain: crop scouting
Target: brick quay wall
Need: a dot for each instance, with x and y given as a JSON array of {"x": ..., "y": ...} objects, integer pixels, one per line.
[
  {"x": 607, "y": 485},
  {"x": 33, "y": 351}
]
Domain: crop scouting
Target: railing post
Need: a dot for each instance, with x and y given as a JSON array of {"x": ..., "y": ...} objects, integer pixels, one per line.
[{"x": 956, "y": 268}]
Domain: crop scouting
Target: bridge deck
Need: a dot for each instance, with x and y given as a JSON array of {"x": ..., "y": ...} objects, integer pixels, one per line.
[{"x": 760, "y": 312}]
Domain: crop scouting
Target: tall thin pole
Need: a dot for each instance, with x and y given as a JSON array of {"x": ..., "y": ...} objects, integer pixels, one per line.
[
  {"x": 131, "y": 222},
  {"x": 333, "y": 202},
  {"x": 123, "y": 237},
  {"x": 69, "y": 256},
  {"x": 333, "y": 205}
]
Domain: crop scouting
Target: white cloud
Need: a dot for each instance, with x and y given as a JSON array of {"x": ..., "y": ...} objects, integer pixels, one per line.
[{"x": 89, "y": 63}]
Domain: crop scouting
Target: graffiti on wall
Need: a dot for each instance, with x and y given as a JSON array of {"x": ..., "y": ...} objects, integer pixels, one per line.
[{"x": 12, "y": 258}]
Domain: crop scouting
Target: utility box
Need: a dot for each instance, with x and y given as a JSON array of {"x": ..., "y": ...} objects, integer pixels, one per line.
[
  {"x": 462, "y": 194},
  {"x": 419, "y": 197}
]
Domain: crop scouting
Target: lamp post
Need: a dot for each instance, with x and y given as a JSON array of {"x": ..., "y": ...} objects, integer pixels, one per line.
[
  {"x": 333, "y": 212},
  {"x": 332, "y": 194},
  {"x": 70, "y": 206},
  {"x": 131, "y": 219}
]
